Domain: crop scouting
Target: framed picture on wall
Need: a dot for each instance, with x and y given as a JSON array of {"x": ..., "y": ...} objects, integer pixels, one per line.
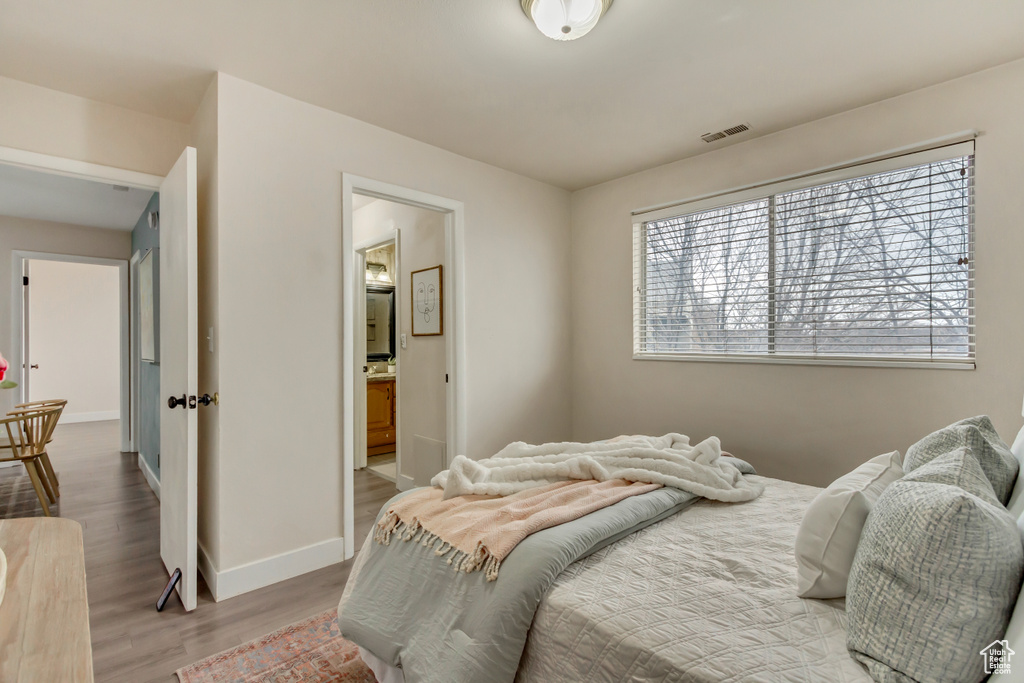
[
  {"x": 427, "y": 302},
  {"x": 147, "y": 309}
]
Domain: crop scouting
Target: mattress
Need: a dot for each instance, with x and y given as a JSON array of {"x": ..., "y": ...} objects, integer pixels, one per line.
[{"x": 705, "y": 595}]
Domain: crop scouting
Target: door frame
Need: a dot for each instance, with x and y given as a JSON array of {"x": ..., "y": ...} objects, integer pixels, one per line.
[
  {"x": 454, "y": 325},
  {"x": 85, "y": 170},
  {"x": 18, "y": 318},
  {"x": 359, "y": 407}
]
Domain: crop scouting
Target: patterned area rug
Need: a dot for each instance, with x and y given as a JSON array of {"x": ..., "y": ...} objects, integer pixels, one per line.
[{"x": 311, "y": 651}]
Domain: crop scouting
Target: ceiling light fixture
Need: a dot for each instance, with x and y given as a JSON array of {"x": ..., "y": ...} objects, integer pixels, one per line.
[{"x": 565, "y": 19}]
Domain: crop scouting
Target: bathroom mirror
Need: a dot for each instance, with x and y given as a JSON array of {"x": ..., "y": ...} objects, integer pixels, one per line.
[{"x": 380, "y": 322}]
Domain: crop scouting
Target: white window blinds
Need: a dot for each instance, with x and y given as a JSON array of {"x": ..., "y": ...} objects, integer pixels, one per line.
[{"x": 870, "y": 262}]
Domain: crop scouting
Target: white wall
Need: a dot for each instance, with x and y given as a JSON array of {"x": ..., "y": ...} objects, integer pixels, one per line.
[
  {"x": 75, "y": 338},
  {"x": 22, "y": 234},
  {"x": 421, "y": 398},
  {"x": 41, "y": 120},
  {"x": 278, "y": 173},
  {"x": 807, "y": 423}
]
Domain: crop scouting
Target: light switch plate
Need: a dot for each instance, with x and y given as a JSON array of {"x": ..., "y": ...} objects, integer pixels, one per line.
[{"x": 403, "y": 341}]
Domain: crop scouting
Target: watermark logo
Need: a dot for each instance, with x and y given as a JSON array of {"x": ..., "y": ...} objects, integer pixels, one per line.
[{"x": 997, "y": 657}]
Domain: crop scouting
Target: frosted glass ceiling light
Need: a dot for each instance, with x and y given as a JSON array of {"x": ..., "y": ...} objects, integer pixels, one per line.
[{"x": 565, "y": 19}]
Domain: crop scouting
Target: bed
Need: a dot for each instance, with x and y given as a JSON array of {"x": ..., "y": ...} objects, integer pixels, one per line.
[
  {"x": 705, "y": 595},
  {"x": 710, "y": 592}
]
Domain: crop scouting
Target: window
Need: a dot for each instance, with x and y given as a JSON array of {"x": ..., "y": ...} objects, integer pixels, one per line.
[{"x": 870, "y": 263}]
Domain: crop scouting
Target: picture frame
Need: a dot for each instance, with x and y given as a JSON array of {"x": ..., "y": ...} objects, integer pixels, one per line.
[
  {"x": 427, "y": 301},
  {"x": 147, "y": 308}
]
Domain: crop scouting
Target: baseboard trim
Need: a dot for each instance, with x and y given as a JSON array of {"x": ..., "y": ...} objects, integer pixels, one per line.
[
  {"x": 101, "y": 416},
  {"x": 207, "y": 570},
  {"x": 151, "y": 478},
  {"x": 229, "y": 583},
  {"x": 405, "y": 483}
]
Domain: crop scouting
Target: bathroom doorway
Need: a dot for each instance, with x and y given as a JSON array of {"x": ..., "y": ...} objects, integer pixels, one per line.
[
  {"x": 403, "y": 419},
  {"x": 445, "y": 390}
]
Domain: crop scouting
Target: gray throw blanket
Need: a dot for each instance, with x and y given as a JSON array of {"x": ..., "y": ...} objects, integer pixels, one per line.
[{"x": 412, "y": 611}]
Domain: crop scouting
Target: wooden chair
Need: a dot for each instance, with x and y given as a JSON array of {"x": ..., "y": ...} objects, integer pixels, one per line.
[
  {"x": 39, "y": 405},
  {"x": 43, "y": 404},
  {"x": 44, "y": 457},
  {"x": 27, "y": 434}
]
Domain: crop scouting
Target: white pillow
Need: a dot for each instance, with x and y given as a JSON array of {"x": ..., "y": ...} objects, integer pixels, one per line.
[{"x": 827, "y": 540}]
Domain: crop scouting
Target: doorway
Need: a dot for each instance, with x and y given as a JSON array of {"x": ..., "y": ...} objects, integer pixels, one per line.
[
  {"x": 405, "y": 362},
  {"x": 426, "y": 234},
  {"x": 64, "y": 235},
  {"x": 178, "y": 342},
  {"x": 73, "y": 343},
  {"x": 78, "y": 347}
]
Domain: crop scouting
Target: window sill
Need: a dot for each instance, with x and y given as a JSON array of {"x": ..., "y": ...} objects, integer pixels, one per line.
[{"x": 836, "y": 361}]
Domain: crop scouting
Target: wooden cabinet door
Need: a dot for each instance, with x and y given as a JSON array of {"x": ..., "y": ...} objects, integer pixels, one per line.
[
  {"x": 378, "y": 405},
  {"x": 380, "y": 417}
]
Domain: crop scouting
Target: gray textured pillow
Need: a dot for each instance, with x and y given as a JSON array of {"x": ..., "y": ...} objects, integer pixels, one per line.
[
  {"x": 978, "y": 434},
  {"x": 958, "y": 468},
  {"x": 935, "y": 578}
]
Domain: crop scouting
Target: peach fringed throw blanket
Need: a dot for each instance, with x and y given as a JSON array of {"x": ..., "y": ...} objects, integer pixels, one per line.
[{"x": 477, "y": 532}]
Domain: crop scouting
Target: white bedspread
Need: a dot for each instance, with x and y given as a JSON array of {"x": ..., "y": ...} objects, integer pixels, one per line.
[{"x": 708, "y": 595}]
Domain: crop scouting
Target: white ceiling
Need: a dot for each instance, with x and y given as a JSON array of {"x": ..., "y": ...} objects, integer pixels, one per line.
[
  {"x": 475, "y": 76},
  {"x": 25, "y": 193}
]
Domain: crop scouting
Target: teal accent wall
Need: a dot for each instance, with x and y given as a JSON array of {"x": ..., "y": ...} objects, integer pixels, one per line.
[{"x": 145, "y": 238}]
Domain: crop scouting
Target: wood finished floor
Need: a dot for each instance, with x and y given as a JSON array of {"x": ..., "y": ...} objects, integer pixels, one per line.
[{"x": 105, "y": 492}]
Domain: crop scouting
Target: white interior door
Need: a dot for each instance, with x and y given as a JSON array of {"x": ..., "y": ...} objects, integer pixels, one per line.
[
  {"x": 179, "y": 374},
  {"x": 360, "y": 370}
]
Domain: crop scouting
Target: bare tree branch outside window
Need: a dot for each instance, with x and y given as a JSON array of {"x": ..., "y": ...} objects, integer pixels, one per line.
[{"x": 877, "y": 266}]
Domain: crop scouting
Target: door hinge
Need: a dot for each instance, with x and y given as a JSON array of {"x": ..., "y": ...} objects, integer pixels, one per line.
[
  {"x": 446, "y": 378},
  {"x": 24, "y": 280}
]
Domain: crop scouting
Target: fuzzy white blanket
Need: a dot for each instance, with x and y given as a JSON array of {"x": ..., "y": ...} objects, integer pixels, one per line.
[{"x": 669, "y": 460}]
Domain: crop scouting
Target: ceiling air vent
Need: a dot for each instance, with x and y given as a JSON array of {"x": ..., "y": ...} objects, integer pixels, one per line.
[
  {"x": 714, "y": 137},
  {"x": 120, "y": 188}
]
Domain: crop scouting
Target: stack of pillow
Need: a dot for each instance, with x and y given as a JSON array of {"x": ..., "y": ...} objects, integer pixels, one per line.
[{"x": 925, "y": 551}]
